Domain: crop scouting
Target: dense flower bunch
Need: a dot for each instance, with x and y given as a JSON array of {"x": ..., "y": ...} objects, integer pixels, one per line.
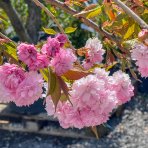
[
  {"x": 93, "y": 98},
  {"x": 52, "y": 54},
  {"x": 21, "y": 87}
]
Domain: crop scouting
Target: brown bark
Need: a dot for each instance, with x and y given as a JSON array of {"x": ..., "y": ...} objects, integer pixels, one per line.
[
  {"x": 16, "y": 22},
  {"x": 33, "y": 23}
]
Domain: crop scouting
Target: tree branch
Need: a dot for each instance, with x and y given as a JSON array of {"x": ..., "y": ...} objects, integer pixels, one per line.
[
  {"x": 142, "y": 24},
  {"x": 88, "y": 22},
  {"x": 6, "y": 38},
  {"x": 49, "y": 14},
  {"x": 53, "y": 18},
  {"x": 16, "y": 22}
]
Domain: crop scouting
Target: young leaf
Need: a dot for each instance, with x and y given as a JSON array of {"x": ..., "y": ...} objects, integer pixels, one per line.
[
  {"x": 70, "y": 30},
  {"x": 94, "y": 12},
  {"x": 49, "y": 31},
  {"x": 56, "y": 94},
  {"x": 51, "y": 82},
  {"x": 94, "y": 130},
  {"x": 130, "y": 31},
  {"x": 44, "y": 73},
  {"x": 64, "y": 87},
  {"x": 1, "y": 60}
]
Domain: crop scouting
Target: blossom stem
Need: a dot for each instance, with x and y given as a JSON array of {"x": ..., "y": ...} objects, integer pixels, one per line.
[{"x": 6, "y": 38}]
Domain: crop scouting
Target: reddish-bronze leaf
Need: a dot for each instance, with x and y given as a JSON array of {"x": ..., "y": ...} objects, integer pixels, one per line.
[{"x": 75, "y": 74}]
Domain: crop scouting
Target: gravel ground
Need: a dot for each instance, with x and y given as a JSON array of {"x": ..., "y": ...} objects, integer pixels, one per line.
[{"x": 129, "y": 131}]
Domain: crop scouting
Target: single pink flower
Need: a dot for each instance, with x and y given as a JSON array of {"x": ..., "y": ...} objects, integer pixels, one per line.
[
  {"x": 41, "y": 62},
  {"x": 30, "y": 90},
  {"x": 51, "y": 48},
  {"x": 11, "y": 76},
  {"x": 140, "y": 55},
  {"x": 123, "y": 87},
  {"x": 63, "y": 61},
  {"x": 27, "y": 53}
]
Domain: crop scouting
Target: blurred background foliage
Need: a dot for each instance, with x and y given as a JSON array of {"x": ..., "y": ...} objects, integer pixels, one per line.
[
  {"x": 32, "y": 19},
  {"x": 78, "y": 37}
]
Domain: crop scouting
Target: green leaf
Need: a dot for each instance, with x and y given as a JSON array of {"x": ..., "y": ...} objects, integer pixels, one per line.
[
  {"x": 1, "y": 60},
  {"x": 54, "y": 87},
  {"x": 130, "y": 31},
  {"x": 70, "y": 30},
  {"x": 56, "y": 95},
  {"x": 44, "y": 73},
  {"x": 51, "y": 82},
  {"x": 129, "y": 43},
  {"x": 49, "y": 31},
  {"x": 94, "y": 12}
]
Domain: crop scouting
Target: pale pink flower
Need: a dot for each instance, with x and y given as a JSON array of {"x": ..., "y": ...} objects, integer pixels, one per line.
[
  {"x": 92, "y": 104},
  {"x": 102, "y": 74},
  {"x": 123, "y": 87},
  {"x": 50, "y": 108},
  {"x": 95, "y": 53},
  {"x": 41, "y": 62},
  {"x": 30, "y": 90},
  {"x": 5, "y": 95},
  {"x": 27, "y": 53},
  {"x": 51, "y": 48},
  {"x": 63, "y": 61},
  {"x": 11, "y": 76},
  {"x": 62, "y": 38},
  {"x": 140, "y": 54}
]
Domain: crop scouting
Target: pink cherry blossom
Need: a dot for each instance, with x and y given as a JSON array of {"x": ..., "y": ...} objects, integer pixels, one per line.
[
  {"x": 92, "y": 104},
  {"x": 51, "y": 48},
  {"x": 29, "y": 90},
  {"x": 41, "y": 62},
  {"x": 50, "y": 108},
  {"x": 27, "y": 53},
  {"x": 5, "y": 95},
  {"x": 140, "y": 54},
  {"x": 95, "y": 53},
  {"x": 123, "y": 87},
  {"x": 10, "y": 77},
  {"x": 63, "y": 61},
  {"x": 62, "y": 38}
]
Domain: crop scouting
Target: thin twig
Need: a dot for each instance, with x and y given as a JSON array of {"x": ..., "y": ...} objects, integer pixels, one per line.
[
  {"x": 86, "y": 21},
  {"x": 6, "y": 38},
  {"x": 132, "y": 14},
  {"x": 53, "y": 18}
]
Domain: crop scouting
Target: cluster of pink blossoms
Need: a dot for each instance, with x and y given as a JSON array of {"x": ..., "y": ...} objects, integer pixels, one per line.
[
  {"x": 93, "y": 98},
  {"x": 94, "y": 54},
  {"x": 52, "y": 54},
  {"x": 28, "y": 54},
  {"x": 21, "y": 87},
  {"x": 140, "y": 54}
]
